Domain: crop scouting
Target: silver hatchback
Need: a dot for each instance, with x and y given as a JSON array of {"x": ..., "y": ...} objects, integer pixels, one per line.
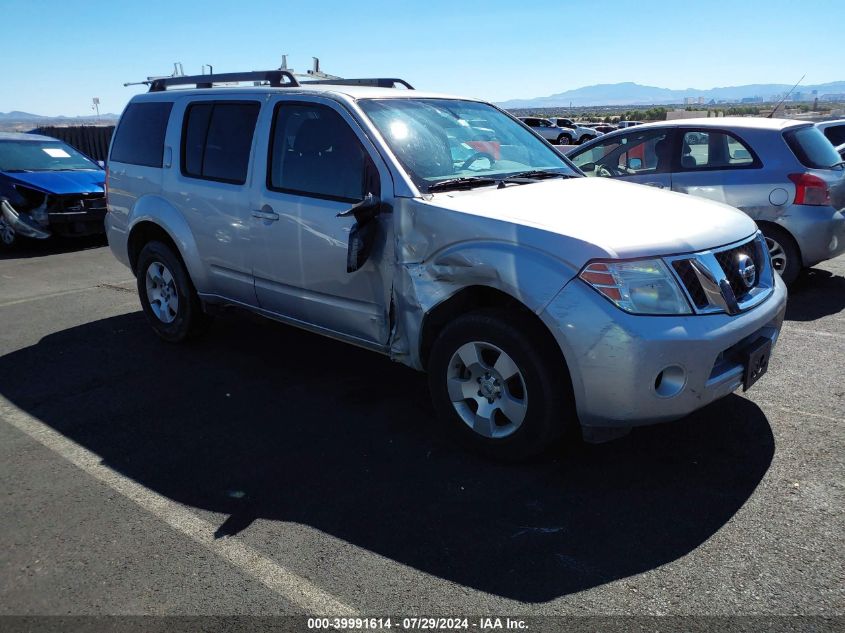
[{"x": 779, "y": 172}]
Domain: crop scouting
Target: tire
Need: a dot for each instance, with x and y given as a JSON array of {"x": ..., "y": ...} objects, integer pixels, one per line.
[
  {"x": 8, "y": 236},
  {"x": 584, "y": 139},
  {"x": 786, "y": 258},
  {"x": 167, "y": 295},
  {"x": 564, "y": 139},
  {"x": 467, "y": 374}
]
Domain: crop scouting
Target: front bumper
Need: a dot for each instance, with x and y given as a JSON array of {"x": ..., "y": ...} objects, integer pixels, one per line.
[
  {"x": 66, "y": 223},
  {"x": 615, "y": 358}
]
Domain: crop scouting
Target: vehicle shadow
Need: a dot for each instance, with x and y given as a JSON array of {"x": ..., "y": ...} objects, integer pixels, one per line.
[
  {"x": 815, "y": 294},
  {"x": 26, "y": 249},
  {"x": 309, "y": 430}
]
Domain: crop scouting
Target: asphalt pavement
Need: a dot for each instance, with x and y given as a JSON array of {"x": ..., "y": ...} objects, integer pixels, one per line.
[{"x": 264, "y": 470}]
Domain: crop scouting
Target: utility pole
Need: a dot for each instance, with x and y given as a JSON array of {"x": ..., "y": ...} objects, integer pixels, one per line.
[{"x": 95, "y": 105}]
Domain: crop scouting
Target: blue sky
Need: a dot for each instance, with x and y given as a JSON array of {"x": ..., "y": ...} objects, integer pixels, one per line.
[{"x": 60, "y": 53}]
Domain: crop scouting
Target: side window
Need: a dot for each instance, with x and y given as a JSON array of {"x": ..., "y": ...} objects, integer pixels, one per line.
[
  {"x": 139, "y": 139},
  {"x": 314, "y": 152},
  {"x": 631, "y": 154},
  {"x": 714, "y": 150},
  {"x": 216, "y": 140}
]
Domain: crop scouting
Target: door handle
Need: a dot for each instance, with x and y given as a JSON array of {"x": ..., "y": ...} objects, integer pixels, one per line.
[
  {"x": 659, "y": 185},
  {"x": 265, "y": 213}
]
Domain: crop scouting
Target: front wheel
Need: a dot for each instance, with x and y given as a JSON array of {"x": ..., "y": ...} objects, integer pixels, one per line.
[
  {"x": 786, "y": 260},
  {"x": 167, "y": 295},
  {"x": 497, "y": 387},
  {"x": 564, "y": 139},
  {"x": 8, "y": 237}
]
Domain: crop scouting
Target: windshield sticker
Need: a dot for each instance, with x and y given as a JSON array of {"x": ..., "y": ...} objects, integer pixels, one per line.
[{"x": 55, "y": 152}]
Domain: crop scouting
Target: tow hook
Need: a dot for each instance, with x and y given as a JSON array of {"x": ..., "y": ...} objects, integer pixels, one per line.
[{"x": 20, "y": 223}]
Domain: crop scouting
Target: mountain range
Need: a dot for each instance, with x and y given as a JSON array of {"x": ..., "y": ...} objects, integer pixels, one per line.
[{"x": 629, "y": 93}]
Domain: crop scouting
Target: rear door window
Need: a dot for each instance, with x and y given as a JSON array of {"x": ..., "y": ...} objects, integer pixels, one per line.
[
  {"x": 711, "y": 149},
  {"x": 217, "y": 138},
  {"x": 139, "y": 139},
  {"x": 811, "y": 148}
]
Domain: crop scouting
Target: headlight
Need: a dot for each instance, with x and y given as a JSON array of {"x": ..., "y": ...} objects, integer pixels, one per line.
[{"x": 643, "y": 286}]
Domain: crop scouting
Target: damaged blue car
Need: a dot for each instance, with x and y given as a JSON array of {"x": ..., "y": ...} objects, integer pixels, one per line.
[{"x": 48, "y": 188}]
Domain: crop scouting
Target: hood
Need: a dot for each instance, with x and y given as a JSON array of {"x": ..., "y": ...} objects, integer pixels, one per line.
[
  {"x": 59, "y": 182},
  {"x": 620, "y": 219}
]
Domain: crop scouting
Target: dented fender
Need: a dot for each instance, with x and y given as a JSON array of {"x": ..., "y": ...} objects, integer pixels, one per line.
[{"x": 431, "y": 269}]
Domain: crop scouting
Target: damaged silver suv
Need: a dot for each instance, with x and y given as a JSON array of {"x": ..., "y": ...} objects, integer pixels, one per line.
[{"x": 446, "y": 234}]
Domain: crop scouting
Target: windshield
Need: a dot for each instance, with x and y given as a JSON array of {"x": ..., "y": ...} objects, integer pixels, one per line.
[
  {"x": 812, "y": 148},
  {"x": 442, "y": 139},
  {"x": 41, "y": 156}
]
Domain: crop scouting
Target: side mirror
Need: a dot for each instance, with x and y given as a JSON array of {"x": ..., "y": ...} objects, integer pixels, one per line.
[
  {"x": 363, "y": 233},
  {"x": 635, "y": 163},
  {"x": 587, "y": 167}
]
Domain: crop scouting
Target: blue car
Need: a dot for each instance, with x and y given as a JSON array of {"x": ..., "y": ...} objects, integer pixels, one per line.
[{"x": 48, "y": 188}]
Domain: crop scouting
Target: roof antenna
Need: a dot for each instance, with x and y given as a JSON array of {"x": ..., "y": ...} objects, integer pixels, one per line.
[{"x": 786, "y": 96}]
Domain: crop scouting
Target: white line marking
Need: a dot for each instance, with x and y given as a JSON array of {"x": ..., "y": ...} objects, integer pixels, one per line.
[
  {"x": 48, "y": 295},
  {"x": 815, "y": 333},
  {"x": 798, "y": 411},
  {"x": 288, "y": 585}
]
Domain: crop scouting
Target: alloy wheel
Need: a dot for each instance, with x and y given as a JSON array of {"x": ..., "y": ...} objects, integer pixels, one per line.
[
  {"x": 487, "y": 389},
  {"x": 161, "y": 292},
  {"x": 777, "y": 254}
]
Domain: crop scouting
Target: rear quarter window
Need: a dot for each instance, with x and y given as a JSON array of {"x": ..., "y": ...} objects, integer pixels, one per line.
[
  {"x": 811, "y": 148},
  {"x": 139, "y": 139}
]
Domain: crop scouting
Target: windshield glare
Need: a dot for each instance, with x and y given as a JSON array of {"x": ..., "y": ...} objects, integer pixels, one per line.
[
  {"x": 440, "y": 139},
  {"x": 41, "y": 156}
]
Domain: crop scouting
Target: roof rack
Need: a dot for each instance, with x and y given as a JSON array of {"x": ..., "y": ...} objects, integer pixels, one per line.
[
  {"x": 276, "y": 78},
  {"x": 376, "y": 82}
]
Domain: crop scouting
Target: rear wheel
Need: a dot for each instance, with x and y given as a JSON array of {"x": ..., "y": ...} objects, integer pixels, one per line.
[
  {"x": 564, "y": 139},
  {"x": 167, "y": 295},
  {"x": 786, "y": 260},
  {"x": 496, "y": 387}
]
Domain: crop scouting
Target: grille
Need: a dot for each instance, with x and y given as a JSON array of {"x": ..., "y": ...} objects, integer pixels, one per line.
[
  {"x": 729, "y": 260},
  {"x": 690, "y": 281},
  {"x": 78, "y": 202}
]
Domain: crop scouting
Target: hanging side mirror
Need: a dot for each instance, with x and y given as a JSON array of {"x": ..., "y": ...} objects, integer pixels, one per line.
[{"x": 363, "y": 233}]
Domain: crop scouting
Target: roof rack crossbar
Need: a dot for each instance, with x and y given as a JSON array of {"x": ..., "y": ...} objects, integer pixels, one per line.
[
  {"x": 276, "y": 78},
  {"x": 376, "y": 82}
]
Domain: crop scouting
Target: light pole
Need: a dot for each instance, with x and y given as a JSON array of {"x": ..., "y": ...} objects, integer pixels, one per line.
[{"x": 95, "y": 105}]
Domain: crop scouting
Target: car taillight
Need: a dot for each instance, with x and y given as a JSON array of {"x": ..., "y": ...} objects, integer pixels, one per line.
[{"x": 810, "y": 189}]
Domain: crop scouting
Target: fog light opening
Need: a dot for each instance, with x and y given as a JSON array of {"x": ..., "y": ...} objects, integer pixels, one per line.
[{"x": 670, "y": 381}]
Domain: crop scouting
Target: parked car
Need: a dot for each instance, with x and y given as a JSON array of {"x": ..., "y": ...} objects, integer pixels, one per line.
[
  {"x": 778, "y": 171},
  {"x": 604, "y": 128},
  {"x": 536, "y": 299},
  {"x": 840, "y": 149},
  {"x": 834, "y": 131},
  {"x": 626, "y": 124},
  {"x": 47, "y": 188},
  {"x": 549, "y": 131},
  {"x": 580, "y": 133}
]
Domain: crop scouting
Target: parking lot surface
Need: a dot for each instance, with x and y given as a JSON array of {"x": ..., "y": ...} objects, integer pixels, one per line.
[{"x": 264, "y": 470}]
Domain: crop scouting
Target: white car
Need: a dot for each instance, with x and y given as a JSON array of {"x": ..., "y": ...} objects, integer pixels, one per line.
[
  {"x": 549, "y": 131},
  {"x": 581, "y": 133}
]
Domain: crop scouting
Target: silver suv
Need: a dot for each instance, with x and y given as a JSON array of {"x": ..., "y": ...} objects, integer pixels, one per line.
[{"x": 443, "y": 233}]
